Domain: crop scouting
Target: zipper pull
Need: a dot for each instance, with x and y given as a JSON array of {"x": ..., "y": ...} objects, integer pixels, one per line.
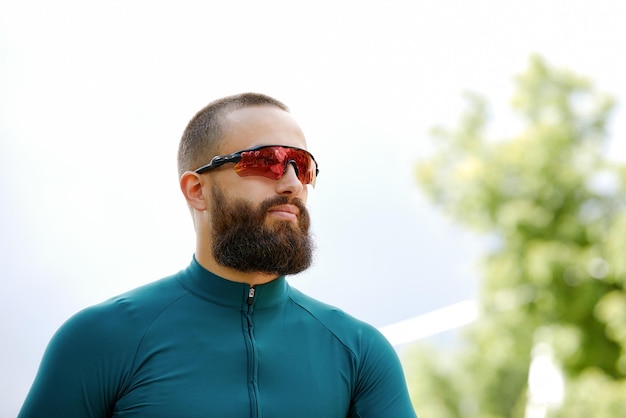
[{"x": 251, "y": 295}]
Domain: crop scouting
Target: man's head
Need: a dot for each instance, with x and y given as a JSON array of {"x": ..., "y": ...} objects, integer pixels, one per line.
[{"x": 248, "y": 207}]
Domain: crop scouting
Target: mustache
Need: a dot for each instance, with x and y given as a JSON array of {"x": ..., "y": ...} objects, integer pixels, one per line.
[{"x": 282, "y": 200}]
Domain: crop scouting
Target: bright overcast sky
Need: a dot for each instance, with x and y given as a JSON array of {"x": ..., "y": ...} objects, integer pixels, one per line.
[{"x": 95, "y": 94}]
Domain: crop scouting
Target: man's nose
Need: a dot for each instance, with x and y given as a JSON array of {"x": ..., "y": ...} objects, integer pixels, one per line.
[{"x": 289, "y": 182}]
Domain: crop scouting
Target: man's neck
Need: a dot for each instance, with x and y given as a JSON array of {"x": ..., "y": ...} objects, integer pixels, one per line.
[{"x": 253, "y": 279}]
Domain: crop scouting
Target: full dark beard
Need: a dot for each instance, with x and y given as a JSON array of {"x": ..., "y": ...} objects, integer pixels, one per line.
[{"x": 242, "y": 239}]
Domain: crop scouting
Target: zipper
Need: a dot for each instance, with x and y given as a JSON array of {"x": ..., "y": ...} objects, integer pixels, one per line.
[
  {"x": 253, "y": 389},
  {"x": 251, "y": 295}
]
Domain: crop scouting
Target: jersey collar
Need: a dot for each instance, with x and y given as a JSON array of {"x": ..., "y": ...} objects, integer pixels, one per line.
[{"x": 215, "y": 289}]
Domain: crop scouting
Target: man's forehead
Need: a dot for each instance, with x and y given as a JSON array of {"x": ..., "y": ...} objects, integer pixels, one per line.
[{"x": 254, "y": 126}]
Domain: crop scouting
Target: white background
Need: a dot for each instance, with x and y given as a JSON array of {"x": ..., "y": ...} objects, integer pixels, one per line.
[{"x": 95, "y": 94}]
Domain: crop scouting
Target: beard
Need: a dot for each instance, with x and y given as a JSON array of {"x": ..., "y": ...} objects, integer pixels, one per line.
[{"x": 244, "y": 241}]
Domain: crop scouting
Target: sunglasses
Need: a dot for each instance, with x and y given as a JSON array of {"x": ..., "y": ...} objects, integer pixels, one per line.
[{"x": 269, "y": 161}]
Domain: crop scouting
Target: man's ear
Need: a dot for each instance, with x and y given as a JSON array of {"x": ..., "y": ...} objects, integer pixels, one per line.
[{"x": 191, "y": 186}]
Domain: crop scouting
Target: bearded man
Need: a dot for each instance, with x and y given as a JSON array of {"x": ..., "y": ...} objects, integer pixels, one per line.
[{"x": 227, "y": 337}]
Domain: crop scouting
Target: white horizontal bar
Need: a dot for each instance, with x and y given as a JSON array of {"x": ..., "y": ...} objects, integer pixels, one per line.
[{"x": 431, "y": 323}]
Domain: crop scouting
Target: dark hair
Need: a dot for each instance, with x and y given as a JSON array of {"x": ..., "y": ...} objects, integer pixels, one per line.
[{"x": 201, "y": 140}]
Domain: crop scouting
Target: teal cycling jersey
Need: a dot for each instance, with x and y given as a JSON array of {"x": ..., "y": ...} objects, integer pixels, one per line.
[{"x": 197, "y": 345}]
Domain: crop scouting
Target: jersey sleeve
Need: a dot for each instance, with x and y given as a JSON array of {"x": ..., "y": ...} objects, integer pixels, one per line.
[
  {"x": 381, "y": 390},
  {"x": 80, "y": 373}
]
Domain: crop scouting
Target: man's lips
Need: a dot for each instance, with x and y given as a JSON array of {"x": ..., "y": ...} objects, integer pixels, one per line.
[{"x": 288, "y": 212}]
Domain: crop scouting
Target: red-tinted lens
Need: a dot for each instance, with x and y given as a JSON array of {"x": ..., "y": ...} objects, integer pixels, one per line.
[{"x": 271, "y": 162}]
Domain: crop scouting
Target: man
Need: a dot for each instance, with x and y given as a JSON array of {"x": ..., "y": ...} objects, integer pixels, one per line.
[{"x": 227, "y": 336}]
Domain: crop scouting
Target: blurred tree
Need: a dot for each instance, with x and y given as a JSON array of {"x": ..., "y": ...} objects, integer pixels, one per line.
[{"x": 553, "y": 206}]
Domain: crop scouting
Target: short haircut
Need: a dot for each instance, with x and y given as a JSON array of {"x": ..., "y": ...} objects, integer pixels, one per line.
[{"x": 201, "y": 140}]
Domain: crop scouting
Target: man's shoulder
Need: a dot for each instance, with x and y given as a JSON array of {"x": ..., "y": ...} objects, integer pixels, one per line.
[
  {"x": 128, "y": 311},
  {"x": 318, "y": 308},
  {"x": 352, "y": 331},
  {"x": 155, "y": 293}
]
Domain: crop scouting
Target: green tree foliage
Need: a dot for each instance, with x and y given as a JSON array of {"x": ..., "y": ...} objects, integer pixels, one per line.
[{"x": 552, "y": 204}]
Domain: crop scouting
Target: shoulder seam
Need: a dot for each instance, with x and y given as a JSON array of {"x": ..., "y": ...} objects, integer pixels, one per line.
[
  {"x": 304, "y": 308},
  {"x": 148, "y": 327}
]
